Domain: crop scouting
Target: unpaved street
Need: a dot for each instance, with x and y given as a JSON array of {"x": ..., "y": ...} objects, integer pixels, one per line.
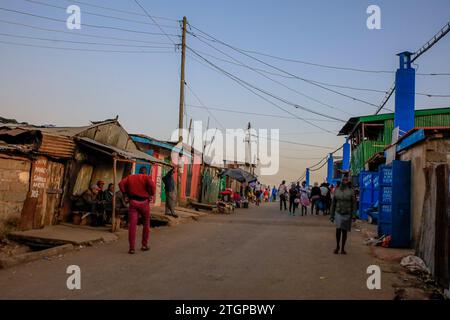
[{"x": 256, "y": 253}]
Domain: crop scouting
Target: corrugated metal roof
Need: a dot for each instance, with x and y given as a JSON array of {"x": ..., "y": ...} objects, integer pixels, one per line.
[
  {"x": 422, "y": 113},
  {"x": 63, "y": 131},
  {"x": 131, "y": 155},
  {"x": 57, "y": 146}
]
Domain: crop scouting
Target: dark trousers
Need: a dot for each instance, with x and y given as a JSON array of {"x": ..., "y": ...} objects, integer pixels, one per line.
[
  {"x": 292, "y": 205},
  {"x": 283, "y": 200}
]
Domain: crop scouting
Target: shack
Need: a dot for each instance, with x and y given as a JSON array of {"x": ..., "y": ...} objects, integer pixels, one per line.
[
  {"x": 51, "y": 165},
  {"x": 428, "y": 150},
  {"x": 190, "y": 168},
  {"x": 32, "y": 167}
]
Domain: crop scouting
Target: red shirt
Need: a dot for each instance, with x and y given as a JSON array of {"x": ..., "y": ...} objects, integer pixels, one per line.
[{"x": 137, "y": 185}]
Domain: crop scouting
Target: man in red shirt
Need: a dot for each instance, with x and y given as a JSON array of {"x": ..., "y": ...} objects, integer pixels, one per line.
[{"x": 139, "y": 188}]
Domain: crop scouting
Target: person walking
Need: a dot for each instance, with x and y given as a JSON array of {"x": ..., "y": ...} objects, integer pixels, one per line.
[
  {"x": 304, "y": 198},
  {"x": 139, "y": 188},
  {"x": 169, "y": 187},
  {"x": 274, "y": 194},
  {"x": 292, "y": 199},
  {"x": 343, "y": 206},
  {"x": 315, "y": 197},
  {"x": 282, "y": 191}
]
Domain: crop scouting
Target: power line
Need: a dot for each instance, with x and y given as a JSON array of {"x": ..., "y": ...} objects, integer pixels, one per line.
[
  {"x": 119, "y": 10},
  {"x": 286, "y": 72},
  {"x": 97, "y": 14},
  {"x": 258, "y": 114},
  {"x": 318, "y": 82},
  {"x": 441, "y": 33},
  {"x": 154, "y": 21},
  {"x": 86, "y": 24},
  {"x": 80, "y": 34},
  {"x": 273, "y": 80},
  {"x": 246, "y": 85},
  {"x": 212, "y": 39},
  {"x": 79, "y": 49},
  {"x": 205, "y": 107},
  {"x": 81, "y": 42}
]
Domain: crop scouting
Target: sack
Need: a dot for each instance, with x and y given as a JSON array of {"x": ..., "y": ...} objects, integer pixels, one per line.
[{"x": 296, "y": 200}]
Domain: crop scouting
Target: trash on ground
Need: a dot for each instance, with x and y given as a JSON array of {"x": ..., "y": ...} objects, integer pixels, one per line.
[{"x": 414, "y": 264}]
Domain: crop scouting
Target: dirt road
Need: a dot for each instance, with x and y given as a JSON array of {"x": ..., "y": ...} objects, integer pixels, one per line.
[{"x": 256, "y": 253}]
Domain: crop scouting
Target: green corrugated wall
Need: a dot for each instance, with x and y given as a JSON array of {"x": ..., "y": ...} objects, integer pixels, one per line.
[{"x": 368, "y": 148}]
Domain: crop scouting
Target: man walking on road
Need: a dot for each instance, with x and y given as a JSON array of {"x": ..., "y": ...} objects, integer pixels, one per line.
[
  {"x": 139, "y": 188},
  {"x": 282, "y": 191},
  {"x": 169, "y": 187}
]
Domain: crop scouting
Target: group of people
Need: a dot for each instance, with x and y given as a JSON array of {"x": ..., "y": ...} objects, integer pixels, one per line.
[
  {"x": 337, "y": 201},
  {"x": 99, "y": 203},
  {"x": 132, "y": 201},
  {"x": 318, "y": 198},
  {"x": 264, "y": 193}
]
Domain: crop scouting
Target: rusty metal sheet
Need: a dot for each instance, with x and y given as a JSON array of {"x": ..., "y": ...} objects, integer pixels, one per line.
[{"x": 57, "y": 146}]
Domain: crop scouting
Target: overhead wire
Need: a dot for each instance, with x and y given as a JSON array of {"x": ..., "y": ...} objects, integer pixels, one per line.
[
  {"x": 154, "y": 21},
  {"x": 248, "y": 86},
  {"x": 271, "y": 79},
  {"x": 86, "y": 24},
  {"x": 80, "y": 49},
  {"x": 82, "y": 42},
  {"x": 97, "y": 14},
  {"x": 259, "y": 114},
  {"x": 284, "y": 71},
  {"x": 80, "y": 34}
]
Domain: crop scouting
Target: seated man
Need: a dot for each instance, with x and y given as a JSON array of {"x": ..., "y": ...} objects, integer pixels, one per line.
[
  {"x": 88, "y": 202},
  {"x": 121, "y": 204}
]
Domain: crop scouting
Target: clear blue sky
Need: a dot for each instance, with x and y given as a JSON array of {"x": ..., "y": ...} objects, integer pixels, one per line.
[{"x": 48, "y": 86}]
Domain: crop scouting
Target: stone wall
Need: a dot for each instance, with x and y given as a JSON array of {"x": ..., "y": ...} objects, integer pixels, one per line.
[{"x": 14, "y": 184}]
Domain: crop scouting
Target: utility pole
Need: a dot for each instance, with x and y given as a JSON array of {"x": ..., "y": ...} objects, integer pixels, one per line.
[
  {"x": 182, "y": 82},
  {"x": 181, "y": 111}
]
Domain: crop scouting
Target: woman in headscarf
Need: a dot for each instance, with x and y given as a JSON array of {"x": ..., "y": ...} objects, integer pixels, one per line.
[{"x": 342, "y": 208}]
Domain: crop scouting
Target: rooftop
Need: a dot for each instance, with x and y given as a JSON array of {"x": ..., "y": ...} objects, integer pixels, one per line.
[{"x": 355, "y": 121}]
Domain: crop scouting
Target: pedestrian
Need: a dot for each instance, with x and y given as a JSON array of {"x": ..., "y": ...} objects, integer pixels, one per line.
[
  {"x": 304, "y": 198},
  {"x": 324, "y": 198},
  {"x": 274, "y": 194},
  {"x": 315, "y": 197},
  {"x": 292, "y": 199},
  {"x": 139, "y": 188},
  {"x": 282, "y": 192},
  {"x": 169, "y": 187},
  {"x": 266, "y": 194},
  {"x": 342, "y": 208},
  {"x": 258, "y": 192}
]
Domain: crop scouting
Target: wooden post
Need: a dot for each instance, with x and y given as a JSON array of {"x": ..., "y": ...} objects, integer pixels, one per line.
[
  {"x": 182, "y": 81},
  {"x": 113, "y": 218}
]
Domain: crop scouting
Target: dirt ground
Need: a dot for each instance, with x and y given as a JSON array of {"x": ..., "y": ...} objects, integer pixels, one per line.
[{"x": 256, "y": 253}]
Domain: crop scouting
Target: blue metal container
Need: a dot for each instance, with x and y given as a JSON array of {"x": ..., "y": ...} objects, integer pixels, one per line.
[{"x": 395, "y": 203}]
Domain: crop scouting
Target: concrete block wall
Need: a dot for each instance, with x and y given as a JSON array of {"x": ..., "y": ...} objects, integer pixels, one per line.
[{"x": 14, "y": 185}]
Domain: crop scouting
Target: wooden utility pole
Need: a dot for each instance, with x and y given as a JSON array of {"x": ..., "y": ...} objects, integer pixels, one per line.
[
  {"x": 182, "y": 82},
  {"x": 181, "y": 111}
]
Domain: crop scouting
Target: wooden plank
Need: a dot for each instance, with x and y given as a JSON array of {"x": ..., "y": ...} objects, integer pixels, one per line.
[{"x": 441, "y": 226}]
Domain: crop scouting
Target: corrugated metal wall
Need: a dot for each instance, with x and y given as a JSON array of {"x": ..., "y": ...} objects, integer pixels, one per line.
[
  {"x": 436, "y": 120},
  {"x": 368, "y": 148}
]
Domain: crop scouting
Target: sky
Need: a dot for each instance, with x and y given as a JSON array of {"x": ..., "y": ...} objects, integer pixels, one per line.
[{"x": 72, "y": 87}]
